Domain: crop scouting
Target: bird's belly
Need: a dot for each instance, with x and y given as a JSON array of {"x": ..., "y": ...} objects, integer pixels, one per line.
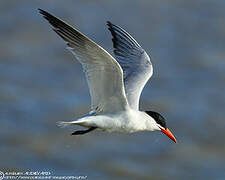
[
  {"x": 119, "y": 129},
  {"x": 122, "y": 123},
  {"x": 113, "y": 125}
]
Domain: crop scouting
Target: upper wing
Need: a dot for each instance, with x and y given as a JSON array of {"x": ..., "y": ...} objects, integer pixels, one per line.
[
  {"x": 134, "y": 61},
  {"x": 103, "y": 73}
]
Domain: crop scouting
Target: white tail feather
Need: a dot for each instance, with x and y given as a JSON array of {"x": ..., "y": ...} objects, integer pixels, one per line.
[{"x": 63, "y": 124}]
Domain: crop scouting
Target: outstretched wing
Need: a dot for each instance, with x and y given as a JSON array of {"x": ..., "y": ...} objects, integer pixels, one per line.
[
  {"x": 104, "y": 75},
  {"x": 135, "y": 62}
]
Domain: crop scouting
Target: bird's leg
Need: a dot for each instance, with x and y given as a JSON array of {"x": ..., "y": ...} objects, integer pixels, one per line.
[{"x": 83, "y": 131}]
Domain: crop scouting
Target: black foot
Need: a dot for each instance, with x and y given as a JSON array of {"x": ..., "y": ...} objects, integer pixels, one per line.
[{"x": 83, "y": 131}]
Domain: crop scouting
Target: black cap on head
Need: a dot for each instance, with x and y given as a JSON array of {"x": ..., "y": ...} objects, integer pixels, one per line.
[{"x": 157, "y": 117}]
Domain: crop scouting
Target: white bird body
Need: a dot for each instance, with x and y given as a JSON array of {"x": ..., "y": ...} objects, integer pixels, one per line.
[
  {"x": 115, "y": 85},
  {"x": 128, "y": 121}
]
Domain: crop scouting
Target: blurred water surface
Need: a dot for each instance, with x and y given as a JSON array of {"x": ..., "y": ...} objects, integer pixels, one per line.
[{"x": 40, "y": 84}]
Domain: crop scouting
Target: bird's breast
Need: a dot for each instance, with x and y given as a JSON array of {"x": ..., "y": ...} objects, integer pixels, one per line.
[{"x": 124, "y": 122}]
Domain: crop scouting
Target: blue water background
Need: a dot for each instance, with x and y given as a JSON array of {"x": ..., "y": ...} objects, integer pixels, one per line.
[{"x": 41, "y": 83}]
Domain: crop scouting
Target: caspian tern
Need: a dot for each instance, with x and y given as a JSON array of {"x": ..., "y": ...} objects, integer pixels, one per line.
[{"x": 115, "y": 85}]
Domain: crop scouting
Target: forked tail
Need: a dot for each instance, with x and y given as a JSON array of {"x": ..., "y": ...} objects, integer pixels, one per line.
[{"x": 63, "y": 124}]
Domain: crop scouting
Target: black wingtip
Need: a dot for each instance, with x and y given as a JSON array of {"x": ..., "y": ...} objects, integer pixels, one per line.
[
  {"x": 110, "y": 26},
  {"x": 41, "y": 11},
  {"x": 108, "y": 23},
  {"x": 44, "y": 13}
]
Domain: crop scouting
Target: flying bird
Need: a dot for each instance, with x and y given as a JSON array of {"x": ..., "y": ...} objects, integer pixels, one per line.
[{"x": 115, "y": 85}]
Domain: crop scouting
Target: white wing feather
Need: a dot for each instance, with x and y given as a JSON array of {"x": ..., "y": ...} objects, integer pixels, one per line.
[
  {"x": 103, "y": 73},
  {"x": 134, "y": 61}
]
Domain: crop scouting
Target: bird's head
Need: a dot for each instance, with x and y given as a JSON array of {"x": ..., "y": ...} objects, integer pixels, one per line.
[{"x": 160, "y": 124}]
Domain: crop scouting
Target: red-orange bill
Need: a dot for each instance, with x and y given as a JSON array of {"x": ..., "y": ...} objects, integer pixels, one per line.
[{"x": 169, "y": 134}]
